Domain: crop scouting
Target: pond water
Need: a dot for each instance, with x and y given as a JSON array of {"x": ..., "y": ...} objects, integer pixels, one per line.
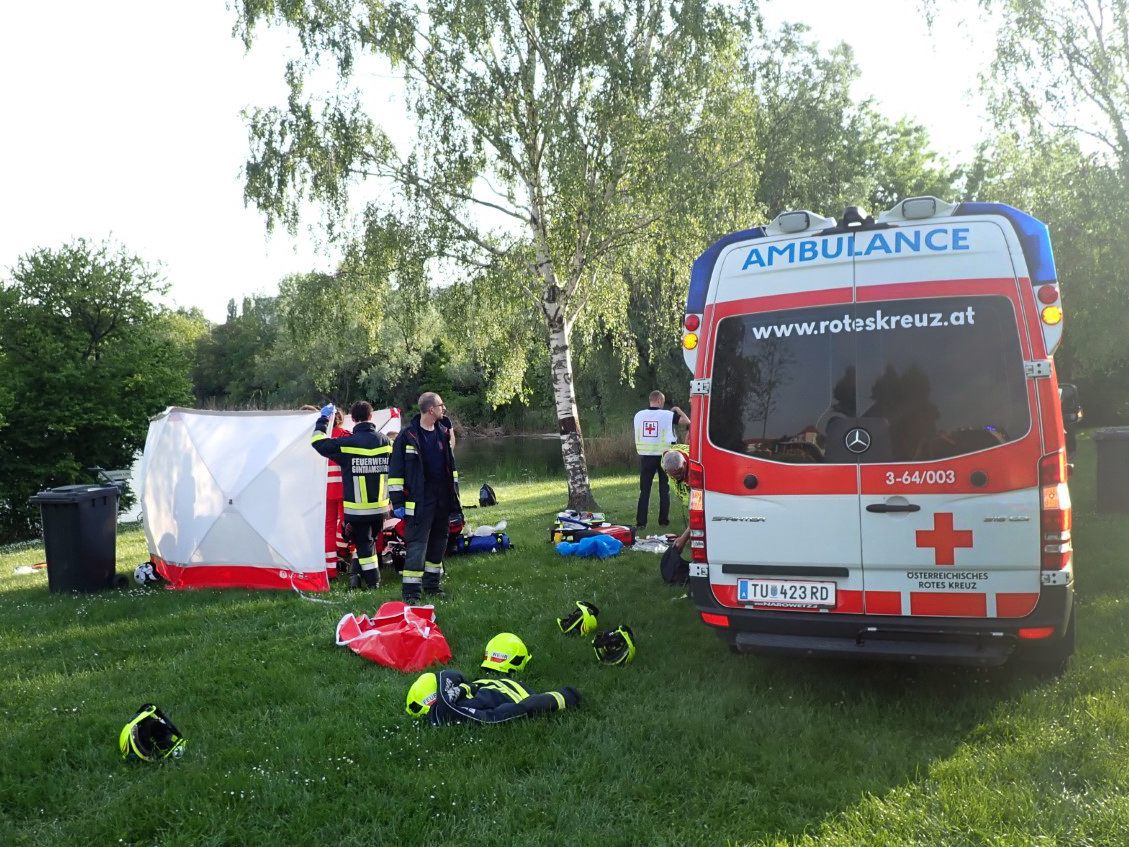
[{"x": 512, "y": 457}]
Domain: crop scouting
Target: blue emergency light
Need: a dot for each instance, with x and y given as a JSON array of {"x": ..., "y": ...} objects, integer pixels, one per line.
[
  {"x": 1032, "y": 233},
  {"x": 702, "y": 269}
]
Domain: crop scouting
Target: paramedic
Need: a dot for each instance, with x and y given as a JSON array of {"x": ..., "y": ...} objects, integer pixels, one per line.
[
  {"x": 654, "y": 435},
  {"x": 424, "y": 485},
  {"x": 676, "y": 465},
  {"x": 363, "y": 457}
]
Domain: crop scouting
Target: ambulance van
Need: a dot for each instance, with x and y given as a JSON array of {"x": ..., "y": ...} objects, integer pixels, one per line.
[{"x": 877, "y": 459}]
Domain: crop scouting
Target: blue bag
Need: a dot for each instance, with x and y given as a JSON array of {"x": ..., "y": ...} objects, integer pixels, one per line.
[{"x": 600, "y": 546}]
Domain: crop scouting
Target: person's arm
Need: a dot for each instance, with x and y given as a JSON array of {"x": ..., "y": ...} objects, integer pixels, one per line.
[
  {"x": 680, "y": 541},
  {"x": 320, "y": 441},
  {"x": 681, "y": 418},
  {"x": 396, "y": 477}
]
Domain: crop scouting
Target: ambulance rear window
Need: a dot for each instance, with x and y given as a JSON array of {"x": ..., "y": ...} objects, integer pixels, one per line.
[{"x": 926, "y": 379}]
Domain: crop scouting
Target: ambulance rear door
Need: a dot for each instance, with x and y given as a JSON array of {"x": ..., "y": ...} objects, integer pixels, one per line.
[
  {"x": 782, "y": 528},
  {"x": 947, "y": 431}
]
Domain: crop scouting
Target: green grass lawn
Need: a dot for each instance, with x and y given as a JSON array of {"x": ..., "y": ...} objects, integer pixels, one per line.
[{"x": 295, "y": 741}]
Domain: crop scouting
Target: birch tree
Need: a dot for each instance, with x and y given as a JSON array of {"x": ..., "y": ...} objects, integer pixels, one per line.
[{"x": 545, "y": 129}]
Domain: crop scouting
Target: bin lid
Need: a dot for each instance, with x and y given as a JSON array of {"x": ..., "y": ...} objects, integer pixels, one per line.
[
  {"x": 73, "y": 494},
  {"x": 1111, "y": 433}
]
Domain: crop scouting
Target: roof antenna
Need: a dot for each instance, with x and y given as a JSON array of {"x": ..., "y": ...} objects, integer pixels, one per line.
[{"x": 855, "y": 216}]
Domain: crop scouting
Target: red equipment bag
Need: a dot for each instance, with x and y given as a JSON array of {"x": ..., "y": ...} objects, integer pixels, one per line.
[
  {"x": 398, "y": 636},
  {"x": 623, "y": 534}
]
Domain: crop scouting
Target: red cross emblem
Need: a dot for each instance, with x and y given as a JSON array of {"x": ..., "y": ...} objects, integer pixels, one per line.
[
  {"x": 943, "y": 538},
  {"x": 650, "y": 429}
]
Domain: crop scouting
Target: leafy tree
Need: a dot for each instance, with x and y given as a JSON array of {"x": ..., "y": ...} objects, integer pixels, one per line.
[
  {"x": 562, "y": 121},
  {"x": 1062, "y": 66},
  {"x": 1082, "y": 200},
  {"x": 235, "y": 362},
  {"x": 88, "y": 358}
]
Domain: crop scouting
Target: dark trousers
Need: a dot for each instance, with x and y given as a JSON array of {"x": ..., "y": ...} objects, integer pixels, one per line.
[
  {"x": 364, "y": 529},
  {"x": 648, "y": 467},
  {"x": 426, "y": 539}
]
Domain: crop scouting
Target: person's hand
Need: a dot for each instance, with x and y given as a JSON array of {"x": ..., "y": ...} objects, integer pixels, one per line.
[
  {"x": 680, "y": 541},
  {"x": 399, "y": 512},
  {"x": 327, "y": 410}
]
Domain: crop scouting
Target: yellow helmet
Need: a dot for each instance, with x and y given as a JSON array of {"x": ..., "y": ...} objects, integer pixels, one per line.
[
  {"x": 150, "y": 736},
  {"x": 580, "y": 622},
  {"x": 505, "y": 652},
  {"x": 422, "y": 695},
  {"x": 615, "y": 646}
]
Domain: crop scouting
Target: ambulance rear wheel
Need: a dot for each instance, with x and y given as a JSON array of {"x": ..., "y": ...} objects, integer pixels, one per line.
[{"x": 1049, "y": 659}]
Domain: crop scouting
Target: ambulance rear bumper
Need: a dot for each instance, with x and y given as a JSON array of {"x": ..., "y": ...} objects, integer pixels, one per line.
[{"x": 925, "y": 640}]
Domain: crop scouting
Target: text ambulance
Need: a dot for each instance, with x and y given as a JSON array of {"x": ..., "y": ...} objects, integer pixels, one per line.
[{"x": 877, "y": 459}]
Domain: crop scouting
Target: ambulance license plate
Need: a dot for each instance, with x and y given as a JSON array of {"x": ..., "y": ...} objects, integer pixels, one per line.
[{"x": 785, "y": 592}]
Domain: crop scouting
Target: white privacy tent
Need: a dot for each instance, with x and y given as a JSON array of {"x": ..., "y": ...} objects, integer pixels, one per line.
[{"x": 234, "y": 499}]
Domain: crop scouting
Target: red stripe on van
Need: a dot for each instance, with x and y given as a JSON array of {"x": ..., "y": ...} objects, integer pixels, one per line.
[
  {"x": 949, "y": 603},
  {"x": 1018, "y": 605},
  {"x": 1004, "y": 285},
  {"x": 848, "y": 602},
  {"x": 883, "y": 602},
  {"x": 726, "y": 595}
]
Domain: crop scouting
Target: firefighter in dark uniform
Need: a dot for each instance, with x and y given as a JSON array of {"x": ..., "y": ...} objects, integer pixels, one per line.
[
  {"x": 424, "y": 485},
  {"x": 363, "y": 457}
]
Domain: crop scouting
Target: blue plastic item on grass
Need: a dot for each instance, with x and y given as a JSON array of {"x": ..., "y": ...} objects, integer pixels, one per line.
[{"x": 600, "y": 546}]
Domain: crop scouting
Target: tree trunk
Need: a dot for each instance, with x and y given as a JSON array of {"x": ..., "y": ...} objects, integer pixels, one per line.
[{"x": 568, "y": 423}]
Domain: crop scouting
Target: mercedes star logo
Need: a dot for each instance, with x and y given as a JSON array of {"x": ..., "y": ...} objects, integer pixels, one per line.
[{"x": 857, "y": 440}]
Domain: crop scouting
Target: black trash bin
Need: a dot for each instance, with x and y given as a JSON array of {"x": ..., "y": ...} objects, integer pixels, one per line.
[
  {"x": 80, "y": 524},
  {"x": 1113, "y": 468}
]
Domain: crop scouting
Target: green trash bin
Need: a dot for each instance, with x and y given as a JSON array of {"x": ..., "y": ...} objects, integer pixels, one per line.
[
  {"x": 1113, "y": 468},
  {"x": 80, "y": 524}
]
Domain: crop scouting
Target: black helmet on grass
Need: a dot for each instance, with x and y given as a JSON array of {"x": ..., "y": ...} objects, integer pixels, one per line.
[
  {"x": 150, "y": 736},
  {"x": 615, "y": 646}
]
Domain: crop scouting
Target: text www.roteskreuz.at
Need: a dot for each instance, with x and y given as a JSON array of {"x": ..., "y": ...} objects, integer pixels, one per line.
[{"x": 871, "y": 323}]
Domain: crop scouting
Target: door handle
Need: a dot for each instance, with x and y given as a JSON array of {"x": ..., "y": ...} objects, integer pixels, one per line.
[{"x": 887, "y": 507}]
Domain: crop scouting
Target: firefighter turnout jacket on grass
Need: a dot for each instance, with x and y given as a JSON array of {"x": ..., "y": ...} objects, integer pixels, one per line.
[
  {"x": 428, "y": 498},
  {"x": 363, "y": 457},
  {"x": 492, "y": 700}
]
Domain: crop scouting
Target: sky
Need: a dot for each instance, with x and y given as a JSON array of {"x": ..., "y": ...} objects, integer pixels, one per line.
[{"x": 122, "y": 121}]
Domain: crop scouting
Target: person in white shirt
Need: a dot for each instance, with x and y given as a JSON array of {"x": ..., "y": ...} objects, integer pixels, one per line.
[{"x": 654, "y": 433}]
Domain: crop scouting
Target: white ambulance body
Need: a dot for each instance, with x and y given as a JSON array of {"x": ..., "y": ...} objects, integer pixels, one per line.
[{"x": 877, "y": 456}]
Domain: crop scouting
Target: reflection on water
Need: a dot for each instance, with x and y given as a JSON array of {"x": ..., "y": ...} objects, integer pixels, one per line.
[{"x": 514, "y": 457}]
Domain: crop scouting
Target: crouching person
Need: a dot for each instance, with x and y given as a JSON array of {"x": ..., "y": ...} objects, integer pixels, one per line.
[
  {"x": 364, "y": 457},
  {"x": 676, "y": 465},
  {"x": 449, "y": 698}
]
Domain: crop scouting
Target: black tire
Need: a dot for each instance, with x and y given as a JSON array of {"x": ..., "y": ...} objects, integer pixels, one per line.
[{"x": 1052, "y": 659}]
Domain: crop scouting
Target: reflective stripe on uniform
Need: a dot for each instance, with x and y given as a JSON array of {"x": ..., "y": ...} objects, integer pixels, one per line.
[
  {"x": 409, "y": 507},
  {"x": 556, "y": 695},
  {"x": 428, "y": 567},
  {"x": 411, "y": 577},
  {"x": 317, "y": 436},
  {"x": 368, "y": 563},
  {"x": 408, "y": 448},
  {"x": 359, "y": 509},
  {"x": 367, "y": 451}
]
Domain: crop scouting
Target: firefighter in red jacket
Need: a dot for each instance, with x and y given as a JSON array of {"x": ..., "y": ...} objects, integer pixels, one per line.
[
  {"x": 424, "y": 486},
  {"x": 363, "y": 457},
  {"x": 336, "y": 548}
]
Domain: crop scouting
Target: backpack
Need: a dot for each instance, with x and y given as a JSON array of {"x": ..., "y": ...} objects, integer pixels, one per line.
[
  {"x": 673, "y": 568},
  {"x": 486, "y": 496},
  {"x": 468, "y": 544}
]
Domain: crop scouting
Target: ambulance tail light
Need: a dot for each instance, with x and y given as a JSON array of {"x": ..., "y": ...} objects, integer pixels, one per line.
[
  {"x": 1056, "y": 517},
  {"x": 715, "y": 620},
  {"x": 696, "y": 480}
]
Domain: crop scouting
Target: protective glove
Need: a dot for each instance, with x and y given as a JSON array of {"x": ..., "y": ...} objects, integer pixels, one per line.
[
  {"x": 571, "y": 696},
  {"x": 399, "y": 512},
  {"x": 327, "y": 410}
]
